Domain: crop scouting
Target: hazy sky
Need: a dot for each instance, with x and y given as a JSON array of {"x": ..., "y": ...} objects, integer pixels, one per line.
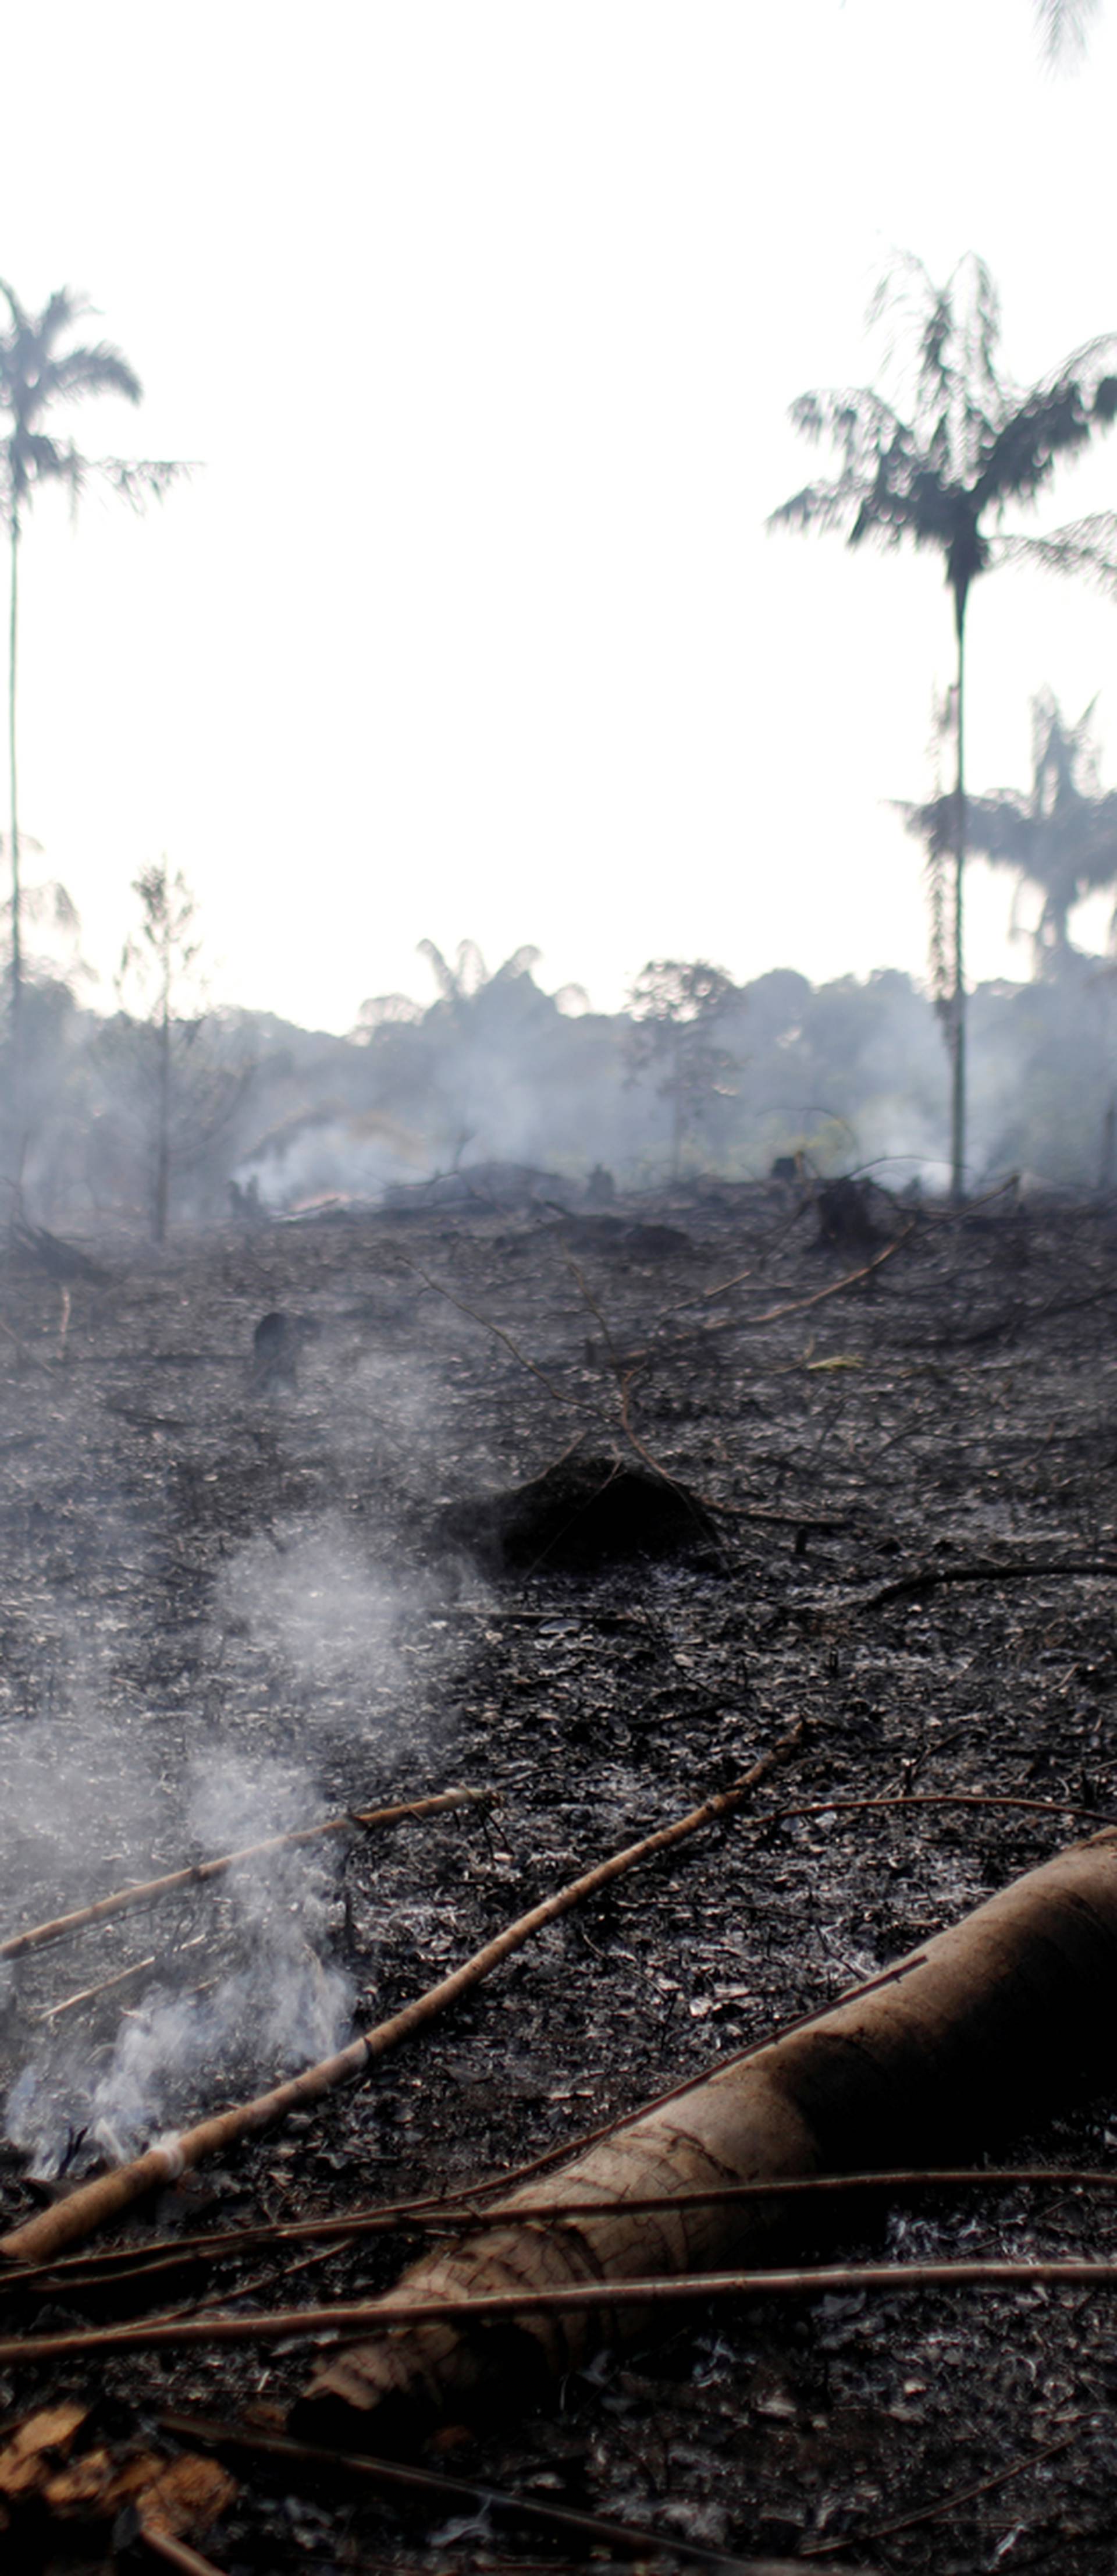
[{"x": 482, "y": 318}]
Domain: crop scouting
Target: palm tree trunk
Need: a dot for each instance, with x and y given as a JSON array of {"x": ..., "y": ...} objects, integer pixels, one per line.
[
  {"x": 958, "y": 997},
  {"x": 676, "y": 1102},
  {"x": 163, "y": 1129},
  {"x": 17, "y": 944}
]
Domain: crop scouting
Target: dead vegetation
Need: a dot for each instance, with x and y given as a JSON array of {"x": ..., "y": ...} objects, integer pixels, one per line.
[{"x": 880, "y": 1477}]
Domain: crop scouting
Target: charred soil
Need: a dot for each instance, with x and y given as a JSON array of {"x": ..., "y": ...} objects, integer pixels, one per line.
[{"x": 751, "y": 1477}]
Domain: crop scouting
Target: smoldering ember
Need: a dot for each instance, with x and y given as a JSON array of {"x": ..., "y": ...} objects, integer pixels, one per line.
[{"x": 371, "y": 1580}]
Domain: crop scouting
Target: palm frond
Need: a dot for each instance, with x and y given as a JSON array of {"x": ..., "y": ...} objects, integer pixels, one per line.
[
  {"x": 1062, "y": 26},
  {"x": 442, "y": 973},
  {"x": 30, "y": 458},
  {"x": 61, "y": 312},
  {"x": 1019, "y": 453},
  {"x": 818, "y": 505},
  {"x": 142, "y": 478},
  {"x": 48, "y": 902},
  {"x": 1060, "y": 838},
  {"x": 101, "y": 369},
  {"x": 1087, "y": 547},
  {"x": 15, "y": 308},
  {"x": 1093, "y": 368}
]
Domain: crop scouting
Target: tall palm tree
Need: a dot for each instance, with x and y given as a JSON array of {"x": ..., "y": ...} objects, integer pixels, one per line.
[
  {"x": 39, "y": 375},
  {"x": 971, "y": 443},
  {"x": 1060, "y": 838}
]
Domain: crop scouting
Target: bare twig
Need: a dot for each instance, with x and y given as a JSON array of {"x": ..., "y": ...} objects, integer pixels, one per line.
[
  {"x": 345, "y": 2318},
  {"x": 800, "y": 1305},
  {"x": 467, "y": 2210},
  {"x": 175, "y": 2553},
  {"x": 595, "y": 1308},
  {"x": 198, "y": 1874},
  {"x": 573, "y": 1403},
  {"x": 107, "y": 1986},
  {"x": 934, "y": 1798},
  {"x": 945, "y": 2504},
  {"x": 396, "y": 2477},
  {"x": 926, "y": 1578},
  {"x": 94, "y": 2203}
]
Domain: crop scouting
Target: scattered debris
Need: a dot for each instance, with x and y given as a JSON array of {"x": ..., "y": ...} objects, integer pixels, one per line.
[
  {"x": 58, "y": 2469},
  {"x": 476, "y": 1187}
]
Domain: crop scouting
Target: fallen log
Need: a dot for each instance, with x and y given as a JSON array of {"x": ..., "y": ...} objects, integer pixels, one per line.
[{"x": 993, "y": 2022}]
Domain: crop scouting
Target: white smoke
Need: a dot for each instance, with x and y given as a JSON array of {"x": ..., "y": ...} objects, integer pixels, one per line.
[{"x": 274, "y": 2003}]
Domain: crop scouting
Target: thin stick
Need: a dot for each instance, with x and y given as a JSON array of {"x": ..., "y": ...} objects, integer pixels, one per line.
[
  {"x": 107, "y": 1986},
  {"x": 200, "y": 1872},
  {"x": 449, "y": 2494},
  {"x": 933, "y": 1798},
  {"x": 175, "y": 2553},
  {"x": 362, "y": 2317},
  {"x": 927, "y": 1578},
  {"x": 572, "y": 1403},
  {"x": 945, "y": 2504},
  {"x": 455, "y": 2215},
  {"x": 94, "y": 2203},
  {"x": 799, "y": 1305}
]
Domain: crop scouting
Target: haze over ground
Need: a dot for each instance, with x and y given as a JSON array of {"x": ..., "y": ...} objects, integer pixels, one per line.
[{"x": 482, "y": 323}]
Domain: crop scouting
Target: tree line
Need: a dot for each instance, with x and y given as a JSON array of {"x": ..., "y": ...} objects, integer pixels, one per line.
[
  {"x": 162, "y": 1113},
  {"x": 934, "y": 457}
]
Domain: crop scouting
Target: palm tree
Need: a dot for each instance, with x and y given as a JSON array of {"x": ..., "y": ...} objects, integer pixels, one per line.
[
  {"x": 462, "y": 981},
  {"x": 972, "y": 443},
  {"x": 38, "y": 375},
  {"x": 1060, "y": 838},
  {"x": 1062, "y": 27}
]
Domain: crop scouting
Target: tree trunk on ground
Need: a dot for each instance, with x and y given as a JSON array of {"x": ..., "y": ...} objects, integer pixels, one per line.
[{"x": 996, "y": 2021}]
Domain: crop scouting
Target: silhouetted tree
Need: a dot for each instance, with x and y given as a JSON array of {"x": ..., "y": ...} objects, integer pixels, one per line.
[
  {"x": 181, "y": 1093},
  {"x": 1060, "y": 838},
  {"x": 972, "y": 443},
  {"x": 677, "y": 1010},
  {"x": 39, "y": 375}
]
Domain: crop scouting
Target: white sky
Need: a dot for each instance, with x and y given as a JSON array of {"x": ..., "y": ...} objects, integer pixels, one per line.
[{"x": 482, "y": 318}]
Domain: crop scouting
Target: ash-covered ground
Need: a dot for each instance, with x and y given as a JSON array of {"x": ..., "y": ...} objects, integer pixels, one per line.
[{"x": 234, "y": 1604}]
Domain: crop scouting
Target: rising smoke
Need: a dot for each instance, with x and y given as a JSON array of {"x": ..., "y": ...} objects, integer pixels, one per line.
[{"x": 250, "y": 2002}]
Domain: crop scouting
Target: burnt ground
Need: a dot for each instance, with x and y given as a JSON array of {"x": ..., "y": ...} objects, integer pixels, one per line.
[{"x": 229, "y": 1607}]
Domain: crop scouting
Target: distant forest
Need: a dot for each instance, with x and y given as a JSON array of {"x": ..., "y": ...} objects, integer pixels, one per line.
[{"x": 157, "y": 1118}]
